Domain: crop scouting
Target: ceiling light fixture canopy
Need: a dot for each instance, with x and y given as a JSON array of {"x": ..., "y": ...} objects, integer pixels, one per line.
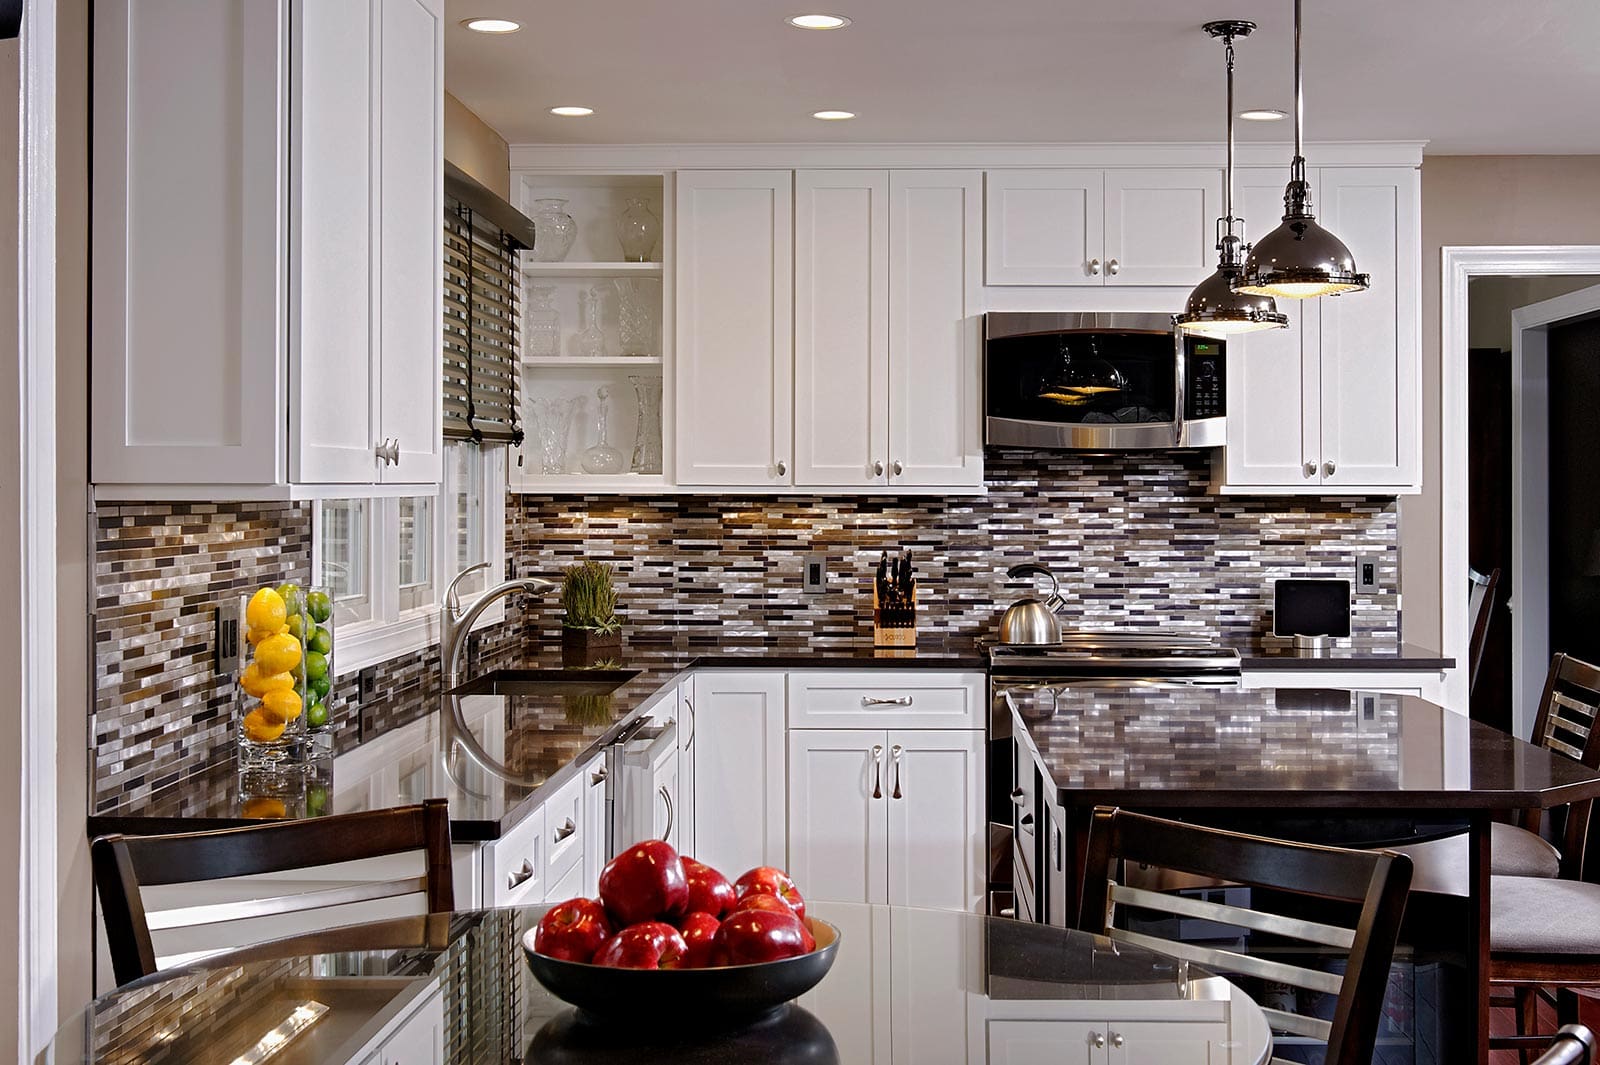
[
  {"x": 1300, "y": 259},
  {"x": 1214, "y": 308}
]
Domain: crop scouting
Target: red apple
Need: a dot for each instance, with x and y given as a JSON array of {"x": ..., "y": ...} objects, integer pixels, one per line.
[
  {"x": 709, "y": 890},
  {"x": 643, "y": 883},
  {"x": 572, "y": 930},
  {"x": 751, "y": 936},
  {"x": 699, "y": 934},
  {"x": 758, "y": 901},
  {"x": 766, "y": 880},
  {"x": 648, "y": 945}
]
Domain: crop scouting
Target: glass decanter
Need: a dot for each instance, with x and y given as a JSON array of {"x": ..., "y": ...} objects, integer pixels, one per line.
[
  {"x": 592, "y": 338},
  {"x": 638, "y": 230},
  {"x": 602, "y": 458},
  {"x": 542, "y": 323}
]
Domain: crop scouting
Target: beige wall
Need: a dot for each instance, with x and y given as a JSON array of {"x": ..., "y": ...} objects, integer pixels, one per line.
[
  {"x": 1490, "y": 301},
  {"x": 1477, "y": 199},
  {"x": 470, "y": 144}
]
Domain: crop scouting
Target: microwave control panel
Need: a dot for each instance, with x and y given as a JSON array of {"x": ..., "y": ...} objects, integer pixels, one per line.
[{"x": 1205, "y": 379}]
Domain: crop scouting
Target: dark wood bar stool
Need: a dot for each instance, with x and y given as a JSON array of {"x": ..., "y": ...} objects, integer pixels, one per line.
[
  {"x": 1376, "y": 882},
  {"x": 1481, "y": 600},
  {"x": 125, "y": 866}
]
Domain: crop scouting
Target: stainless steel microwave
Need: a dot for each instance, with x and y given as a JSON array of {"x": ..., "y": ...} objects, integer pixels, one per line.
[{"x": 1101, "y": 382}]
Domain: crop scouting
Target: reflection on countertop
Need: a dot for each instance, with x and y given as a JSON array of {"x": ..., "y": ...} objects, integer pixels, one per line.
[{"x": 1268, "y": 653}]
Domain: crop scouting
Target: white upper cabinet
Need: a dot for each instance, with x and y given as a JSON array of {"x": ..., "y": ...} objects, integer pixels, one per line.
[
  {"x": 1330, "y": 405},
  {"x": 841, "y": 327},
  {"x": 935, "y": 390},
  {"x": 734, "y": 327},
  {"x": 1136, "y": 226},
  {"x": 267, "y": 270}
]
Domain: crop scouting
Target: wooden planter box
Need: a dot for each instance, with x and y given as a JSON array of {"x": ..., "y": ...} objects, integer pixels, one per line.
[{"x": 585, "y": 647}]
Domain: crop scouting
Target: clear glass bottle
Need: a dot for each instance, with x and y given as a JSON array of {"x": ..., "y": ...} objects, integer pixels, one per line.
[
  {"x": 647, "y": 432},
  {"x": 602, "y": 458},
  {"x": 553, "y": 231},
  {"x": 638, "y": 230},
  {"x": 592, "y": 338},
  {"x": 637, "y": 301},
  {"x": 542, "y": 324}
]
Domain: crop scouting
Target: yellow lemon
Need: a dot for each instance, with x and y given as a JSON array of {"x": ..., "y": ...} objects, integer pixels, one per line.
[
  {"x": 259, "y": 729},
  {"x": 280, "y": 706},
  {"x": 261, "y": 806},
  {"x": 266, "y": 612},
  {"x": 255, "y": 636},
  {"x": 278, "y": 654},
  {"x": 257, "y": 683}
]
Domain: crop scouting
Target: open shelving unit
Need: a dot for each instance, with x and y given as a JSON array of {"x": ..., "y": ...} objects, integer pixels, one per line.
[{"x": 594, "y": 265}]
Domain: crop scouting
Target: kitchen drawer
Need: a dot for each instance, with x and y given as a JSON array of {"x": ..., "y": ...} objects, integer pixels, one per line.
[
  {"x": 569, "y": 886},
  {"x": 515, "y": 866},
  {"x": 566, "y": 834},
  {"x": 886, "y": 699}
]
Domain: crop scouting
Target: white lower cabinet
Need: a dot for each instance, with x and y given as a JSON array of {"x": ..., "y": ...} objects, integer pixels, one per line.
[
  {"x": 596, "y": 851},
  {"x": 1071, "y": 1042},
  {"x": 738, "y": 771},
  {"x": 418, "y": 1040}
]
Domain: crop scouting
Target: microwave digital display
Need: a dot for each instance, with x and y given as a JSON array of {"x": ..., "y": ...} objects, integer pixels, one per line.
[{"x": 1091, "y": 377}]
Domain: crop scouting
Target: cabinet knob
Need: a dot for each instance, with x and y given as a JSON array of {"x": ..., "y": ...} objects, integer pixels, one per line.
[
  {"x": 1311, "y": 469},
  {"x": 1019, "y": 796},
  {"x": 1098, "y": 1039},
  {"x": 598, "y": 776},
  {"x": 897, "y": 468},
  {"x": 1327, "y": 469},
  {"x": 783, "y": 468},
  {"x": 565, "y": 832},
  {"x": 877, "y": 468},
  {"x": 1116, "y": 1039},
  {"x": 1094, "y": 266},
  {"x": 1113, "y": 267},
  {"x": 520, "y": 875},
  {"x": 389, "y": 452}
]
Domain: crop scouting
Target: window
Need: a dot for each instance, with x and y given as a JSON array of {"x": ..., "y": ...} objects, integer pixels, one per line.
[{"x": 385, "y": 562}]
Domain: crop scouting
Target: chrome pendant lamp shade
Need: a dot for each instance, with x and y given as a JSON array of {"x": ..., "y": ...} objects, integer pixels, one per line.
[
  {"x": 1300, "y": 259},
  {"x": 1216, "y": 308}
]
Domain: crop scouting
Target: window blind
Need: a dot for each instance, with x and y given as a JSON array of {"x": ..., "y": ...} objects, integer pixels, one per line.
[{"x": 482, "y": 365}]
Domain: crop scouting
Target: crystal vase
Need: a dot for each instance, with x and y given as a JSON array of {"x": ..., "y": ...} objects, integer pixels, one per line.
[
  {"x": 638, "y": 230},
  {"x": 552, "y": 424},
  {"x": 647, "y": 432},
  {"x": 542, "y": 323},
  {"x": 636, "y": 316},
  {"x": 553, "y": 231}
]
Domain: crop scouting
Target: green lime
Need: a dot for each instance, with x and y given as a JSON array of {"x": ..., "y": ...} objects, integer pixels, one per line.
[
  {"x": 317, "y": 716},
  {"x": 319, "y": 606},
  {"x": 290, "y": 594},
  {"x": 297, "y": 625},
  {"x": 320, "y": 686},
  {"x": 316, "y": 800},
  {"x": 316, "y": 665},
  {"x": 321, "y": 641}
]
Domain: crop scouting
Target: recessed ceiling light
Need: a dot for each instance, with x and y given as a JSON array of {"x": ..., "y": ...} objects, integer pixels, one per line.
[
  {"x": 833, "y": 116},
  {"x": 818, "y": 22},
  {"x": 572, "y": 112},
  {"x": 1263, "y": 114},
  {"x": 491, "y": 25}
]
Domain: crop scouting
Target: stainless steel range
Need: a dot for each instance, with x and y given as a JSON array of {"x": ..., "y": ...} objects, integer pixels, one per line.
[{"x": 1023, "y": 820}]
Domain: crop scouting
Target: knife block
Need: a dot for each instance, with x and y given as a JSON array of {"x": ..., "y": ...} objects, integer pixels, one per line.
[{"x": 894, "y": 627}]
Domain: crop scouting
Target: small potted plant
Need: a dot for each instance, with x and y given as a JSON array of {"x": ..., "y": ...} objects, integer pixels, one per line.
[{"x": 590, "y": 628}]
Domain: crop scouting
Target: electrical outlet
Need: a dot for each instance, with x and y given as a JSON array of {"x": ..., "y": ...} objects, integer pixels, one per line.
[
  {"x": 367, "y": 683},
  {"x": 1369, "y": 707},
  {"x": 1367, "y": 573},
  {"x": 228, "y": 636},
  {"x": 815, "y": 578}
]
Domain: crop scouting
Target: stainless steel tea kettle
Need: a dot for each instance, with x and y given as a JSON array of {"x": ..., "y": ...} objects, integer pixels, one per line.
[{"x": 1031, "y": 620}]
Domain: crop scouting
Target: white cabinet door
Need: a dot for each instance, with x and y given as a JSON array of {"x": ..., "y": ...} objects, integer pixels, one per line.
[
  {"x": 595, "y": 851},
  {"x": 1045, "y": 1043},
  {"x": 739, "y": 779},
  {"x": 187, "y": 324},
  {"x": 514, "y": 864},
  {"x": 735, "y": 327},
  {"x": 1166, "y": 1042},
  {"x": 420, "y": 1038},
  {"x": 935, "y": 394},
  {"x": 664, "y": 796},
  {"x": 838, "y": 814},
  {"x": 937, "y": 826},
  {"x": 936, "y": 966},
  {"x": 1160, "y": 225},
  {"x": 409, "y": 225},
  {"x": 841, "y": 327},
  {"x": 1371, "y": 413},
  {"x": 332, "y": 213},
  {"x": 1273, "y": 389},
  {"x": 1045, "y": 227}
]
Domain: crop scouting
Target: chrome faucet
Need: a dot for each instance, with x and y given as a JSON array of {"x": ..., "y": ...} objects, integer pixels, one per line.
[{"x": 455, "y": 626}]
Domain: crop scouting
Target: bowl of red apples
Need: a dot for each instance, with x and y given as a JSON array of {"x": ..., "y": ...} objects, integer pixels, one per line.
[{"x": 670, "y": 937}]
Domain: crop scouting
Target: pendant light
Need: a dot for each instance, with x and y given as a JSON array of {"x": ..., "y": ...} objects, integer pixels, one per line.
[
  {"x": 1299, "y": 259},
  {"x": 1214, "y": 308}
]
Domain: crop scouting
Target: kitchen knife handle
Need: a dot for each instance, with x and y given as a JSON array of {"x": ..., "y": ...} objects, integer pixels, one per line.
[
  {"x": 877, "y": 770},
  {"x": 895, "y": 752}
]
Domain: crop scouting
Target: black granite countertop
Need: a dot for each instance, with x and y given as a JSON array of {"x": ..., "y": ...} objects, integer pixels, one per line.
[
  {"x": 1269, "y": 654},
  {"x": 522, "y": 746}
]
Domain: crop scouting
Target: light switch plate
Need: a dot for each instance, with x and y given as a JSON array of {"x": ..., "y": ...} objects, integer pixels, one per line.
[
  {"x": 1366, "y": 573},
  {"x": 228, "y": 636},
  {"x": 814, "y": 577}
]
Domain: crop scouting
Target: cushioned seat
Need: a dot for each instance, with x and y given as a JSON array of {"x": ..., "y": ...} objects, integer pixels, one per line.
[
  {"x": 1440, "y": 866},
  {"x": 1532, "y": 915}
]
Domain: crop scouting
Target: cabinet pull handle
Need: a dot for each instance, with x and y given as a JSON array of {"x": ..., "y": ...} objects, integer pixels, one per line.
[
  {"x": 899, "y": 700},
  {"x": 1019, "y": 797},
  {"x": 666, "y": 797},
  {"x": 897, "y": 468},
  {"x": 1116, "y": 1039},
  {"x": 1327, "y": 469},
  {"x": 877, "y": 467},
  {"x": 688, "y": 743},
  {"x": 783, "y": 468},
  {"x": 566, "y": 831},
  {"x": 1113, "y": 267},
  {"x": 1094, "y": 266},
  {"x": 877, "y": 770},
  {"x": 520, "y": 875},
  {"x": 598, "y": 776},
  {"x": 1311, "y": 469},
  {"x": 895, "y": 752},
  {"x": 1098, "y": 1039}
]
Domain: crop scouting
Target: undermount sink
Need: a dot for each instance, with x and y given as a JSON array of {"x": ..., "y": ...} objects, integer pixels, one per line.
[{"x": 547, "y": 682}]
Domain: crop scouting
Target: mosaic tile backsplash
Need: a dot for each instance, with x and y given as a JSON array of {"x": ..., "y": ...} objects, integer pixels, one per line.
[{"x": 1136, "y": 540}]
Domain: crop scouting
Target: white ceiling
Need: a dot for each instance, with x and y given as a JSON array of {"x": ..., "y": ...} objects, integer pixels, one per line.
[{"x": 1468, "y": 76}]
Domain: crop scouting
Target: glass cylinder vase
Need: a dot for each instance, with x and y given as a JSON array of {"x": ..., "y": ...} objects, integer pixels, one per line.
[{"x": 287, "y": 674}]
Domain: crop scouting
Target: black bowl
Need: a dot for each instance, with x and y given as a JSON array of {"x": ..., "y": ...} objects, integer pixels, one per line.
[{"x": 729, "y": 994}]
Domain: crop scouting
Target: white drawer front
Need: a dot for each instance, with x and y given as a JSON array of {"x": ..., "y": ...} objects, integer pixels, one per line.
[
  {"x": 566, "y": 835},
  {"x": 886, "y": 699},
  {"x": 517, "y": 867}
]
